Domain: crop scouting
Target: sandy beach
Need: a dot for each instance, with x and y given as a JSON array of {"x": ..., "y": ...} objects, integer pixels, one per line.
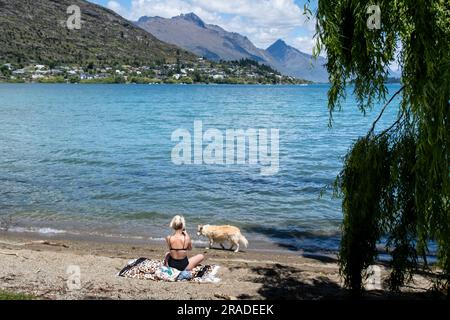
[{"x": 37, "y": 265}]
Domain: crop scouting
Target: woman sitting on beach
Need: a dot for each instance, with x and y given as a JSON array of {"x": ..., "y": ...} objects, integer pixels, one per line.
[{"x": 179, "y": 244}]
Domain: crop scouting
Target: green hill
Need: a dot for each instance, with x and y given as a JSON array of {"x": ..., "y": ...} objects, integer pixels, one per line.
[{"x": 36, "y": 31}]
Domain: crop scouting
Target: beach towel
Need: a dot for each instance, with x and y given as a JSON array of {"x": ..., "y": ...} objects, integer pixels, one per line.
[{"x": 150, "y": 269}]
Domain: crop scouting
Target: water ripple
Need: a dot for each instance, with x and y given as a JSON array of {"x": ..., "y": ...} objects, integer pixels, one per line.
[{"x": 80, "y": 158}]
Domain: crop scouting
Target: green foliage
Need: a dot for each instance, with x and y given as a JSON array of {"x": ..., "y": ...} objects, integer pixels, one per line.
[
  {"x": 378, "y": 186},
  {"x": 197, "y": 77},
  {"x": 15, "y": 296},
  {"x": 5, "y": 71},
  {"x": 144, "y": 80},
  {"x": 74, "y": 79},
  {"x": 407, "y": 165},
  {"x": 15, "y": 81},
  {"x": 186, "y": 80},
  {"x": 171, "y": 81},
  {"x": 57, "y": 79},
  {"x": 365, "y": 170},
  {"x": 400, "y": 218},
  {"x": 106, "y": 80}
]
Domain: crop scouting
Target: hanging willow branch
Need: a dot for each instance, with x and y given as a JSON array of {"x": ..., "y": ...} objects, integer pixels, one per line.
[
  {"x": 395, "y": 185},
  {"x": 384, "y": 109}
]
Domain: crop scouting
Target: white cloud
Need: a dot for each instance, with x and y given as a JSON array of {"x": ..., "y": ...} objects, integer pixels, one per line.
[
  {"x": 116, "y": 7},
  {"x": 262, "y": 21},
  {"x": 305, "y": 44},
  {"x": 165, "y": 8}
]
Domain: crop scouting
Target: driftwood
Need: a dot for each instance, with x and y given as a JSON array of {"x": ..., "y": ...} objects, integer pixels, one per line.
[
  {"x": 42, "y": 242},
  {"x": 224, "y": 296},
  {"x": 45, "y": 242},
  {"x": 12, "y": 254},
  {"x": 9, "y": 253},
  {"x": 38, "y": 242}
]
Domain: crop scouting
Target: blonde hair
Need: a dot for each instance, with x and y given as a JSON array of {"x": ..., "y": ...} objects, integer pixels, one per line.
[{"x": 178, "y": 223}]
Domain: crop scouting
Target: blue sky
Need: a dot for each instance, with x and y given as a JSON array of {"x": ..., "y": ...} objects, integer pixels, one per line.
[{"x": 262, "y": 21}]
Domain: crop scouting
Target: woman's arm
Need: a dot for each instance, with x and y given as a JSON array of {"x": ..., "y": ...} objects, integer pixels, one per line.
[
  {"x": 189, "y": 242},
  {"x": 168, "y": 241}
]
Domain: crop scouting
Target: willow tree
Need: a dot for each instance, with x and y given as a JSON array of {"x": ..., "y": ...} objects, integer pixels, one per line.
[{"x": 395, "y": 182}]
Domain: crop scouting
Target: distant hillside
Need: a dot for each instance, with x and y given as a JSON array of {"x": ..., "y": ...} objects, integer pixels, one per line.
[
  {"x": 295, "y": 63},
  {"x": 36, "y": 31},
  {"x": 212, "y": 42}
]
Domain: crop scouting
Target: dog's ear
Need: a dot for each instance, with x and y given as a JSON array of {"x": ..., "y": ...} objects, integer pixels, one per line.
[{"x": 199, "y": 230}]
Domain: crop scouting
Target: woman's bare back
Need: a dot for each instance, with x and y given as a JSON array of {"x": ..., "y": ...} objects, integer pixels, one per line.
[{"x": 179, "y": 244}]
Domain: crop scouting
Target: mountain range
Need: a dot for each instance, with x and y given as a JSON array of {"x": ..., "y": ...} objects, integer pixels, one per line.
[
  {"x": 190, "y": 32},
  {"x": 36, "y": 31}
]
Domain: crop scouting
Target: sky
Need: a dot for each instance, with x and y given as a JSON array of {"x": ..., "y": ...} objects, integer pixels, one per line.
[{"x": 262, "y": 21}]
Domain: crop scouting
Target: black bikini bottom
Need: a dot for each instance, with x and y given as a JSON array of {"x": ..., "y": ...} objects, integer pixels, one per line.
[{"x": 178, "y": 264}]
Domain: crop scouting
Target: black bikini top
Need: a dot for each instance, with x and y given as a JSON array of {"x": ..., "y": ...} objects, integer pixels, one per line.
[{"x": 184, "y": 242}]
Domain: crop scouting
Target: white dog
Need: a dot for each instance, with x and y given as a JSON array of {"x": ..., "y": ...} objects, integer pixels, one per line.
[{"x": 221, "y": 234}]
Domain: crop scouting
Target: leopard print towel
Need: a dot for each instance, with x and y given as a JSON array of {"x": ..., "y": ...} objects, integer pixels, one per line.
[{"x": 151, "y": 269}]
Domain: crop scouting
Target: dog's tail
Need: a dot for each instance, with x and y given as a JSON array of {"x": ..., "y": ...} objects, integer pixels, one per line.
[{"x": 243, "y": 240}]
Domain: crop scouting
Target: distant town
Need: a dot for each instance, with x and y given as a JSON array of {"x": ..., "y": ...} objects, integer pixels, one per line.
[{"x": 244, "y": 71}]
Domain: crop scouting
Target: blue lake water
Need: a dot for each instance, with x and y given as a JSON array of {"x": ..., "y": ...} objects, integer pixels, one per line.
[{"x": 96, "y": 159}]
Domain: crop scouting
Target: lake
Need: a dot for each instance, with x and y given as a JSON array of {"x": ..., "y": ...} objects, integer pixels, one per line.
[{"x": 96, "y": 159}]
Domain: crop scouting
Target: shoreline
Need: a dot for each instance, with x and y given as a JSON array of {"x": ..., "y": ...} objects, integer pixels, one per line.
[
  {"x": 173, "y": 84},
  {"x": 36, "y": 265},
  {"x": 321, "y": 242},
  {"x": 255, "y": 245}
]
